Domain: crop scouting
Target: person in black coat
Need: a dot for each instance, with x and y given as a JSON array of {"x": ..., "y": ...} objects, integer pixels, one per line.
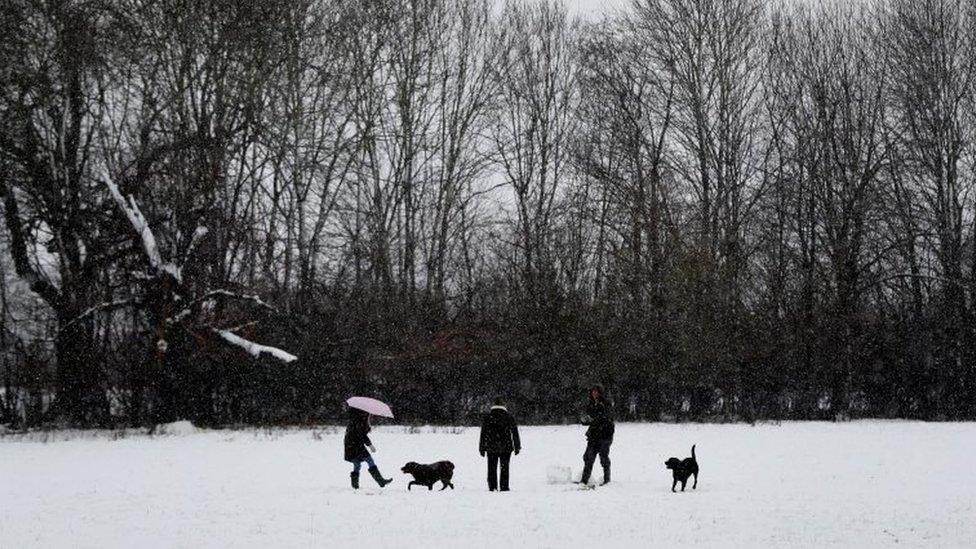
[
  {"x": 499, "y": 438},
  {"x": 355, "y": 445},
  {"x": 599, "y": 435}
]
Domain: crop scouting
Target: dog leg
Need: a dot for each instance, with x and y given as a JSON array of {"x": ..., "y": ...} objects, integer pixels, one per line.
[
  {"x": 673, "y": 484},
  {"x": 443, "y": 485},
  {"x": 695, "y": 486},
  {"x": 430, "y": 486},
  {"x": 412, "y": 482},
  {"x": 683, "y": 483}
]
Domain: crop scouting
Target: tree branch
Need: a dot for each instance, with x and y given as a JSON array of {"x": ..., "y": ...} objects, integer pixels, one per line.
[
  {"x": 18, "y": 250},
  {"x": 138, "y": 221},
  {"x": 254, "y": 349},
  {"x": 92, "y": 310}
]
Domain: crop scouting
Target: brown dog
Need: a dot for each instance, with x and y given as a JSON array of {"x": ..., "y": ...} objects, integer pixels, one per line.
[
  {"x": 427, "y": 475},
  {"x": 681, "y": 469}
]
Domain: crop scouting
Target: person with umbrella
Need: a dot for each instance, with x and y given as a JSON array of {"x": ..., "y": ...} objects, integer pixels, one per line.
[
  {"x": 499, "y": 438},
  {"x": 356, "y": 440},
  {"x": 599, "y": 435}
]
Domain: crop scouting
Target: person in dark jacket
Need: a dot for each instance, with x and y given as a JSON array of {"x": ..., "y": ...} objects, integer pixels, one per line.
[
  {"x": 499, "y": 438},
  {"x": 599, "y": 435},
  {"x": 356, "y": 443}
]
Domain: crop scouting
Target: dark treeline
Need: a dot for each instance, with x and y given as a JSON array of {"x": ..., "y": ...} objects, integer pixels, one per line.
[{"x": 721, "y": 209}]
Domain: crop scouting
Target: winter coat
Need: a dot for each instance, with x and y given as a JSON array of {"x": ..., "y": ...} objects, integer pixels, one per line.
[
  {"x": 599, "y": 416},
  {"x": 499, "y": 433},
  {"x": 357, "y": 439}
]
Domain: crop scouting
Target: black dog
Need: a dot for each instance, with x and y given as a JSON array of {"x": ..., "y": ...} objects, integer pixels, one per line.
[
  {"x": 681, "y": 469},
  {"x": 427, "y": 475}
]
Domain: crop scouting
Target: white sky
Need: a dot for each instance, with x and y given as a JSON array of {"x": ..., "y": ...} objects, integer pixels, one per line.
[{"x": 595, "y": 8}]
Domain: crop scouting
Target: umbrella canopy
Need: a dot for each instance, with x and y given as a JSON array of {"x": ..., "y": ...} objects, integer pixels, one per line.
[{"x": 370, "y": 406}]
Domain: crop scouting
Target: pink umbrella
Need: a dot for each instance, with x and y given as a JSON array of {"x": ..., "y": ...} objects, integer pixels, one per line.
[{"x": 371, "y": 406}]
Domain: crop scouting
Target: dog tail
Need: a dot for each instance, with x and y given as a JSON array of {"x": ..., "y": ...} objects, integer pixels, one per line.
[{"x": 693, "y": 453}]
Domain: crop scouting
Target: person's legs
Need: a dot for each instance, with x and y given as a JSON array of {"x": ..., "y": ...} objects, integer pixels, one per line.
[
  {"x": 378, "y": 477},
  {"x": 589, "y": 456},
  {"x": 492, "y": 471},
  {"x": 354, "y": 475},
  {"x": 503, "y": 481},
  {"x": 375, "y": 472},
  {"x": 605, "y": 459}
]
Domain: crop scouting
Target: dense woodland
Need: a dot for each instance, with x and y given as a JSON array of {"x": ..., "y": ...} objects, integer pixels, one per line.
[{"x": 244, "y": 212}]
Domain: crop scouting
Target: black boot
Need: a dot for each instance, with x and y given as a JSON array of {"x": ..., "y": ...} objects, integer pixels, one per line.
[
  {"x": 606, "y": 476},
  {"x": 375, "y": 471},
  {"x": 354, "y": 477}
]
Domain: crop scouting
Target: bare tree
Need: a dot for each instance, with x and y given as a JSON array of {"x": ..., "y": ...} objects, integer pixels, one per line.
[
  {"x": 709, "y": 52},
  {"x": 838, "y": 141},
  {"x": 51, "y": 105},
  {"x": 537, "y": 73},
  {"x": 466, "y": 90},
  {"x": 930, "y": 46},
  {"x": 627, "y": 113}
]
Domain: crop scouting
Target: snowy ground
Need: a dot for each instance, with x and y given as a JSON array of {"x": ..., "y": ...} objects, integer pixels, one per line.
[{"x": 863, "y": 484}]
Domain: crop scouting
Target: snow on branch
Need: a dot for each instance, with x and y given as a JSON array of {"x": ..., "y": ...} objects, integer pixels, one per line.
[
  {"x": 215, "y": 294},
  {"x": 254, "y": 349},
  {"x": 244, "y": 297},
  {"x": 198, "y": 235},
  {"x": 150, "y": 246},
  {"x": 138, "y": 221},
  {"x": 92, "y": 310}
]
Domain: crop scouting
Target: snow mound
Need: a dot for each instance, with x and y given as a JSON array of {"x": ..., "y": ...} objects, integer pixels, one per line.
[
  {"x": 178, "y": 428},
  {"x": 559, "y": 474}
]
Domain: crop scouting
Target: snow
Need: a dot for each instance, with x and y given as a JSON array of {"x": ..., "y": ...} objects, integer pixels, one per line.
[
  {"x": 176, "y": 428},
  {"x": 255, "y": 349},
  {"x": 561, "y": 474},
  {"x": 860, "y": 484},
  {"x": 207, "y": 299},
  {"x": 244, "y": 297},
  {"x": 198, "y": 234},
  {"x": 100, "y": 307}
]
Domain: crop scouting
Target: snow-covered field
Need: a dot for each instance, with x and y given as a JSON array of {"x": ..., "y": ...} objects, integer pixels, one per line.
[{"x": 862, "y": 484}]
